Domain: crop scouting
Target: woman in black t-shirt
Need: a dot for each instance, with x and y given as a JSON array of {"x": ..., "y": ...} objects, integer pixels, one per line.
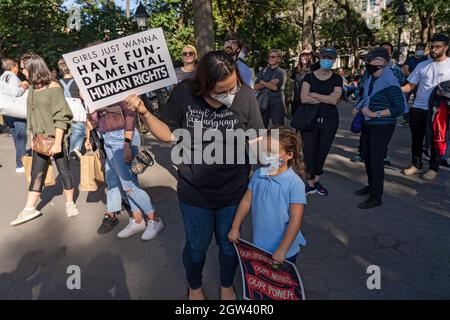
[
  {"x": 214, "y": 104},
  {"x": 321, "y": 90}
]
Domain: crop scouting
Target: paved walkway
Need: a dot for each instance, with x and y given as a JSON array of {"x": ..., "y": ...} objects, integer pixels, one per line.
[{"x": 408, "y": 238}]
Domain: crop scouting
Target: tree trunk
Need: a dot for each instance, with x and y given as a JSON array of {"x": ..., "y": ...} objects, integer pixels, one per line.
[
  {"x": 203, "y": 26},
  {"x": 128, "y": 8},
  {"x": 308, "y": 24}
]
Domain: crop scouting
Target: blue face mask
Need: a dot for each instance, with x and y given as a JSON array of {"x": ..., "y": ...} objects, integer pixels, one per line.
[{"x": 326, "y": 64}]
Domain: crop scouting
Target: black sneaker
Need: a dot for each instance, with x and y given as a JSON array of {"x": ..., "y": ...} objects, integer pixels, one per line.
[
  {"x": 310, "y": 190},
  {"x": 320, "y": 189},
  {"x": 386, "y": 162},
  {"x": 370, "y": 203},
  {"x": 404, "y": 123},
  {"x": 108, "y": 224},
  {"x": 362, "y": 192}
]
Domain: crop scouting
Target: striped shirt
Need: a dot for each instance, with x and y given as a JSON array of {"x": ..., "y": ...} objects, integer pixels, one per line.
[{"x": 390, "y": 98}]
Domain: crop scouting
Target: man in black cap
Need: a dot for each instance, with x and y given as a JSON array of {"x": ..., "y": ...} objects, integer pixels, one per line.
[{"x": 425, "y": 77}]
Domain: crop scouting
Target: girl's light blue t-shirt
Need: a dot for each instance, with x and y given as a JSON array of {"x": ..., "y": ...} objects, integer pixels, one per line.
[{"x": 272, "y": 196}]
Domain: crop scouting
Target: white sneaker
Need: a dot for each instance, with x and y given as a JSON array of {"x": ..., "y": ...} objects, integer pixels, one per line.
[
  {"x": 25, "y": 216},
  {"x": 153, "y": 229},
  {"x": 20, "y": 170},
  {"x": 131, "y": 229},
  {"x": 71, "y": 210},
  {"x": 430, "y": 175}
]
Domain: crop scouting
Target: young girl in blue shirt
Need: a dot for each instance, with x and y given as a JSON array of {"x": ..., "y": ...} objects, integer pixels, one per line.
[{"x": 276, "y": 197}]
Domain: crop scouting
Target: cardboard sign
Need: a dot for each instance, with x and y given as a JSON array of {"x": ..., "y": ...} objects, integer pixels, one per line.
[
  {"x": 263, "y": 280},
  {"x": 107, "y": 73}
]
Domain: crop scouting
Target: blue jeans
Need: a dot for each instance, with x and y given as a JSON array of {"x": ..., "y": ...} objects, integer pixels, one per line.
[
  {"x": 19, "y": 133},
  {"x": 119, "y": 176},
  {"x": 77, "y": 136},
  {"x": 199, "y": 226}
]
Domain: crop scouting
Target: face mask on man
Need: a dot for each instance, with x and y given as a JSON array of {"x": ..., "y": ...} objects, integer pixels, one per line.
[
  {"x": 420, "y": 53},
  {"x": 225, "y": 98},
  {"x": 371, "y": 69},
  {"x": 326, "y": 64}
]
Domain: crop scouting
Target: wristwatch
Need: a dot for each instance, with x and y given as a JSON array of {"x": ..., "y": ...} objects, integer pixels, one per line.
[
  {"x": 127, "y": 140},
  {"x": 378, "y": 114}
]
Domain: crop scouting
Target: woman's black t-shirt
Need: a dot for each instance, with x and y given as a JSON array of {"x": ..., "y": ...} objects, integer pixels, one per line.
[
  {"x": 211, "y": 186},
  {"x": 326, "y": 88}
]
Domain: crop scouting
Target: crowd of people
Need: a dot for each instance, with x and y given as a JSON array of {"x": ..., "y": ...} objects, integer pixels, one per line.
[{"x": 215, "y": 198}]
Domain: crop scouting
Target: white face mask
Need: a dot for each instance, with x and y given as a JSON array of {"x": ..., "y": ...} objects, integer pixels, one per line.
[
  {"x": 272, "y": 164},
  {"x": 225, "y": 98}
]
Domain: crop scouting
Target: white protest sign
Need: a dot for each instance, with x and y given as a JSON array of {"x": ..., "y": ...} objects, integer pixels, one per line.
[{"x": 107, "y": 73}]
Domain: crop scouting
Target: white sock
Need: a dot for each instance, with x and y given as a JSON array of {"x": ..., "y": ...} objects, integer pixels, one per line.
[
  {"x": 69, "y": 203},
  {"x": 29, "y": 209}
]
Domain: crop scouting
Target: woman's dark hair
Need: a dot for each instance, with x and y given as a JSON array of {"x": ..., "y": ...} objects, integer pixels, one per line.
[
  {"x": 213, "y": 67},
  {"x": 39, "y": 74},
  {"x": 291, "y": 142},
  {"x": 299, "y": 67}
]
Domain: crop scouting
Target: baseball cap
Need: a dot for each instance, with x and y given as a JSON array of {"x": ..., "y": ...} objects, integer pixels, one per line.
[
  {"x": 329, "y": 51},
  {"x": 378, "y": 52}
]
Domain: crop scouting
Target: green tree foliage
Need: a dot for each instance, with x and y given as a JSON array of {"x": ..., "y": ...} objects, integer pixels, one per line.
[
  {"x": 41, "y": 25},
  {"x": 33, "y": 25},
  {"x": 175, "y": 17}
]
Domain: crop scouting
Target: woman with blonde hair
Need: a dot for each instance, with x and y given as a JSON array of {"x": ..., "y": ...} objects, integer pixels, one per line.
[{"x": 188, "y": 70}]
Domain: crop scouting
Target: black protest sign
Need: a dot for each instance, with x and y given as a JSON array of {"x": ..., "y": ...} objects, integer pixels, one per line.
[{"x": 263, "y": 279}]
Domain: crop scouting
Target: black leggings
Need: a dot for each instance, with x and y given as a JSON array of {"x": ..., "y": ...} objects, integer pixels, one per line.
[
  {"x": 375, "y": 140},
  {"x": 317, "y": 144},
  {"x": 39, "y": 169}
]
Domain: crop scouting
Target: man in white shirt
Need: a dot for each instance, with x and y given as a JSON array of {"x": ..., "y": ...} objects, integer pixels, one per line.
[
  {"x": 425, "y": 77},
  {"x": 10, "y": 85}
]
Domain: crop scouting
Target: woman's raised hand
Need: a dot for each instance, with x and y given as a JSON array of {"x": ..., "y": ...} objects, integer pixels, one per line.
[{"x": 134, "y": 103}]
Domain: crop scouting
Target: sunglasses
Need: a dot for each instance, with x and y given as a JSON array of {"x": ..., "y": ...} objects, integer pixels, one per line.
[
  {"x": 188, "y": 54},
  {"x": 273, "y": 56}
]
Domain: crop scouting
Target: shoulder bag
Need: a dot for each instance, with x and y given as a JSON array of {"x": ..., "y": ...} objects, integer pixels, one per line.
[{"x": 305, "y": 118}]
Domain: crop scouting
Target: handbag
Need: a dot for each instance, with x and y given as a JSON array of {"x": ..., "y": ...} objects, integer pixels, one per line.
[
  {"x": 15, "y": 107},
  {"x": 43, "y": 144},
  {"x": 305, "y": 118},
  {"x": 357, "y": 123},
  {"x": 143, "y": 159}
]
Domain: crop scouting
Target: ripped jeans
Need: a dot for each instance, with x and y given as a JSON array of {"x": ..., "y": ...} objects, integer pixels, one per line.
[{"x": 119, "y": 176}]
